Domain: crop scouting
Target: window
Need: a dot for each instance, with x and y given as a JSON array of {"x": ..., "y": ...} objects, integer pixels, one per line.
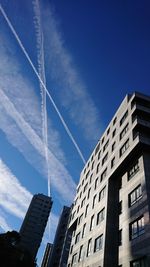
[
  {"x": 77, "y": 238},
  {"x": 83, "y": 202},
  {"x": 124, "y": 148},
  {"x": 120, "y": 238},
  {"x": 71, "y": 249},
  {"x": 89, "y": 191},
  {"x": 133, "y": 170},
  {"x": 124, "y": 118},
  {"x": 81, "y": 253},
  {"x": 99, "y": 154},
  {"x": 114, "y": 121},
  {"x": 135, "y": 195},
  {"x": 112, "y": 162},
  {"x": 80, "y": 218},
  {"x": 87, "y": 174},
  {"x": 86, "y": 210},
  {"x": 106, "y": 145},
  {"x": 92, "y": 165},
  {"x": 85, "y": 187},
  {"x": 83, "y": 182},
  {"x": 97, "y": 169},
  {"x": 94, "y": 201},
  {"x": 97, "y": 148},
  {"x": 103, "y": 175},
  {"x": 102, "y": 194},
  {"x": 105, "y": 159},
  {"x": 89, "y": 248},
  {"x": 96, "y": 183},
  {"x": 78, "y": 208},
  {"x": 98, "y": 243},
  {"x": 113, "y": 146},
  {"x": 100, "y": 216},
  {"x": 108, "y": 131},
  {"x": 91, "y": 178},
  {"x": 113, "y": 133},
  {"x": 92, "y": 222},
  {"x": 124, "y": 131},
  {"x": 136, "y": 228},
  {"x": 138, "y": 263},
  {"x": 103, "y": 140},
  {"x": 74, "y": 259},
  {"x": 84, "y": 229}
]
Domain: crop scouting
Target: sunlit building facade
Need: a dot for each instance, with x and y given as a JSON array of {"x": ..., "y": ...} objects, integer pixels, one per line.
[{"x": 111, "y": 215}]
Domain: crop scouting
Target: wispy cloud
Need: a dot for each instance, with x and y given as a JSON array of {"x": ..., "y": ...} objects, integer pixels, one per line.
[
  {"x": 19, "y": 109},
  {"x": 73, "y": 91},
  {"x": 4, "y": 227}
]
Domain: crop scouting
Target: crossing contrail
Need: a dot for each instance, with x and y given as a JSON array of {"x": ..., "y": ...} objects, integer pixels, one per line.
[
  {"x": 41, "y": 71},
  {"x": 41, "y": 81}
]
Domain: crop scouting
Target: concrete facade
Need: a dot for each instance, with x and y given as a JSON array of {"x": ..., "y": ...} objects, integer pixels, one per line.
[
  {"x": 111, "y": 212},
  {"x": 34, "y": 223},
  {"x": 62, "y": 241}
]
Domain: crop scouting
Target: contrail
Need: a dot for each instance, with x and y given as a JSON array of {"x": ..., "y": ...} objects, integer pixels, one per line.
[
  {"x": 41, "y": 71},
  {"x": 44, "y": 86}
]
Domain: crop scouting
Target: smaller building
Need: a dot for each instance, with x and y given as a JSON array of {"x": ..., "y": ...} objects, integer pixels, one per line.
[
  {"x": 34, "y": 223},
  {"x": 62, "y": 241},
  {"x": 47, "y": 254}
]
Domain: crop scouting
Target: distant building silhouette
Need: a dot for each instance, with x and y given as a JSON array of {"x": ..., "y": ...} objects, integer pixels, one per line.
[
  {"x": 34, "y": 224},
  {"x": 47, "y": 254},
  {"x": 61, "y": 246}
]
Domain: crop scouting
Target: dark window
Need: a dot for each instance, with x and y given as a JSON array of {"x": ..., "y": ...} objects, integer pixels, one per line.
[
  {"x": 97, "y": 169},
  {"x": 112, "y": 162},
  {"x": 105, "y": 159},
  {"x": 85, "y": 187},
  {"x": 124, "y": 148},
  {"x": 135, "y": 195},
  {"x": 83, "y": 202},
  {"x": 114, "y": 121},
  {"x": 124, "y": 131},
  {"x": 89, "y": 248},
  {"x": 80, "y": 218},
  {"x": 106, "y": 145},
  {"x": 81, "y": 253},
  {"x": 92, "y": 165},
  {"x": 89, "y": 191},
  {"x": 120, "y": 238},
  {"x": 87, "y": 174},
  {"x": 100, "y": 216},
  {"x": 84, "y": 229},
  {"x": 94, "y": 201},
  {"x": 98, "y": 243},
  {"x": 86, "y": 210},
  {"x": 99, "y": 154},
  {"x": 124, "y": 118},
  {"x": 97, "y": 148},
  {"x": 96, "y": 183},
  {"x": 113, "y": 146},
  {"x": 133, "y": 170},
  {"x": 91, "y": 178},
  {"x": 136, "y": 228},
  {"x": 74, "y": 259},
  {"x": 113, "y": 133},
  {"x": 92, "y": 222},
  {"x": 103, "y": 140},
  {"x": 108, "y": 131},
  {"x": 77, "y": 238}
]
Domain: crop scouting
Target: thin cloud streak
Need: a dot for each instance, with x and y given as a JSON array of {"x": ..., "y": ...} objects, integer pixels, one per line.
[
  {"x": 73, "y": 91},
  {"x": 45, "y": 88}
]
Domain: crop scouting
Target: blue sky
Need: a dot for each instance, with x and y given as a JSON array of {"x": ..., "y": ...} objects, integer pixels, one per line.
[{"x": 90, "y": 54}]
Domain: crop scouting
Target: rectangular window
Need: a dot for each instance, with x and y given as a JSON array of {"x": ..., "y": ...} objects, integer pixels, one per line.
[
  {"x": 103, "y": 140},
  {"x": 83, "y": 202},
  {"x": 113, "y": 146},
  {"x": 108, "y": 131},
  {"x": 138, "y": 263},
  {"x": 136, "y": 228},
  {"x": 133, "y": 170},
  {"x": 103, "y": 175},
  {"x": 124, "y": 117},
  {"x": 120, "y": 238},
  {"x": 99, "y": 154},
  {"x": 98, "y": 166},
  {"x": 135, "y": 195},
  {"x": 91, "y": 178},
  {"x": 74, "y": 259},
  {"x": 81, "y": 253},
  {"x": 77, "y": 238},
  {"x": 106, "y": 145},
  {"x": 80, "y": 218},
  {"x": 85, "y": 187},
  {"x": 89, "y": 191},
  {"x": 86, "y": 210},
  {"x": 102, "y": 194},
  {"x": 89, "y": 248},
  {"x": 96, "y": 183},
  {"x": 84, "y": 229},
  {"x": 124, "y": 131},
  {"x": 114, "y": 121},
  {"x": 105, "y": 159},
  {"x": 94, "y": 201},
  {"x": 112, "y": 162},
  {"x": 87, "y": 174},
  {"x": 92, "y": 222},
  {"x": 92, "y": 165},
  {"x": 113, "y": 133},
  {"x": 98, "y": 243},
  {"x": 97, "y": 148},
  {"x": 100, "y": 216},
  {"x": 124, "y": 147}
]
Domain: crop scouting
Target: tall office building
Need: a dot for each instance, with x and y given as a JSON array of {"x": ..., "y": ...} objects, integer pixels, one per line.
[
  {"x": 47, "y": 254},
  {"x": 62, "y": 241},
  {"x": 34, "y": 224},
  {"x": 111, "y": 214}
]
